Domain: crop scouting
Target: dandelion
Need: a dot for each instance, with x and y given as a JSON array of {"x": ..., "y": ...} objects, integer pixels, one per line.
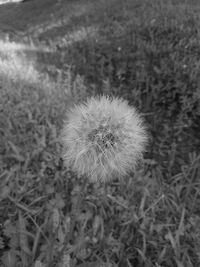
[{"x": 103, "y": 138}]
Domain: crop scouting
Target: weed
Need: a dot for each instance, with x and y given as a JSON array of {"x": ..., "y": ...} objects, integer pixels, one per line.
[{"x": 147, "y": 53}]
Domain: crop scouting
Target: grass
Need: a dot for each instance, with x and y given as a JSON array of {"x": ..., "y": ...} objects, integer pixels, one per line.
[{"x": 146, "y": 52}]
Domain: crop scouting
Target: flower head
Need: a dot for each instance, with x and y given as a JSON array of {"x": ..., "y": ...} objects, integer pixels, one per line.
[{"x": 103, "y": 138}]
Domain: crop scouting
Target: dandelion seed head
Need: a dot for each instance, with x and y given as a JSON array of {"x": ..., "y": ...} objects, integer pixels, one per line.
[{"x": 103, "y": 138}]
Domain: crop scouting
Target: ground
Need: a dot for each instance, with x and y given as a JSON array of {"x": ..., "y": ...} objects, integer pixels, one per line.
[{"x": 57, "y": 53}]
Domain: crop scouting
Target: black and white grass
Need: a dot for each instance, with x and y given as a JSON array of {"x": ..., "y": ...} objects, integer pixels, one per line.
[{"x": 103, "y": 138}]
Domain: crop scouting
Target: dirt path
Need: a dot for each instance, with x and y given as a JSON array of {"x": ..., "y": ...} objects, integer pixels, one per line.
[
  {"x": 34, "y": 16},
  {"x": 57, "y": 25},
  {"x": 42, "y": 22}
]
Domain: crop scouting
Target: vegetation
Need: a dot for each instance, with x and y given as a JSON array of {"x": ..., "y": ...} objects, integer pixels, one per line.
[{"x": 144, "y": 51}]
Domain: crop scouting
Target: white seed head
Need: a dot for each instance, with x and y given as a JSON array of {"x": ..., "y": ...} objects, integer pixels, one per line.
[{"x": 103, "y": 138}]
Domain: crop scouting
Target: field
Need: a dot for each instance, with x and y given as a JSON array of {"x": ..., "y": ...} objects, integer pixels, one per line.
[{"x": 57, "y": 53}]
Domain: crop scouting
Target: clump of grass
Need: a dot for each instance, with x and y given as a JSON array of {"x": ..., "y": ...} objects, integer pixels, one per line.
[
  {"x": 32, "y": 108},
  {"x": 15, "y": 67}
]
